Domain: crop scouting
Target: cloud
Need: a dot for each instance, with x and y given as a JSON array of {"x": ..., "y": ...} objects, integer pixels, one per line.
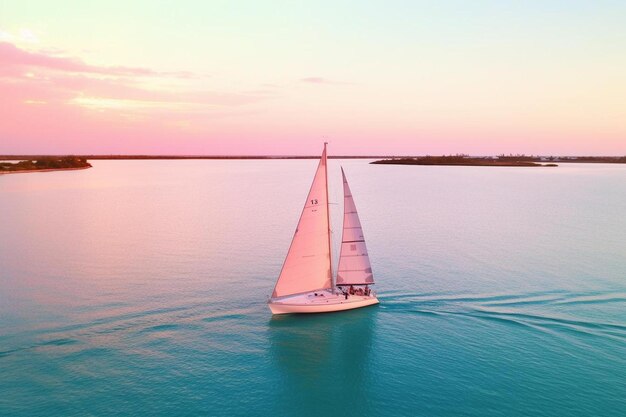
[
  {"x": 12, "y": 56},
  {"x": 42, "y": 78},
  {"x": 314, "y": 80},
  {"x": 52, "y": 101},
  {"x": 27, "y": 35},
  {"x": 321, "y": 80},
  {"x": 5, "y": 36}
]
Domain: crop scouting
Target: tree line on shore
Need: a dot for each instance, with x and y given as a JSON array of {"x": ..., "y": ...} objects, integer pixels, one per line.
[
  {"x": 500, "y": 160},
  {"x": 46, "y": 163}
]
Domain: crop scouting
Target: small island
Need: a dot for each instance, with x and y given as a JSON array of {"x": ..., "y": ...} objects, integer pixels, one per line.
[
  {"x": 44, "y": 164},
  {"x": 465, "y": 160}
]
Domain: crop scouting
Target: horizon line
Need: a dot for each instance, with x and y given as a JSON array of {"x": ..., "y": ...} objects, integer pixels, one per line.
[{"x": 174, "y": 156}]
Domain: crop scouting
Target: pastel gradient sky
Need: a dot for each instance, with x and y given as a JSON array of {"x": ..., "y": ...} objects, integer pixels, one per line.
[{"x": 277, "y": 77}]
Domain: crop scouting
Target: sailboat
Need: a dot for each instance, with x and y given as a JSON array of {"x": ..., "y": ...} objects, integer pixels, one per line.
[{"x": 306, "y": 283}]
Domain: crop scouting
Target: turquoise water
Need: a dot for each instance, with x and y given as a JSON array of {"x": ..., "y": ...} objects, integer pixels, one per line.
[{"x": 139, "y": 288}]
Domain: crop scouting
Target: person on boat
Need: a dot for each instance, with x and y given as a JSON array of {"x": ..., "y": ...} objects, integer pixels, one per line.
[
  {"x": 345, "y": 294},
  {"x": 351, "y": 290},
  {"x": 367, "y": 290}
]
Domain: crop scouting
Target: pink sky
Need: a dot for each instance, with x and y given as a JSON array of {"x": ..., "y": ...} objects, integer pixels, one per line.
[
  {"x": 496, "y": 81},
  {"x": 62, "y": 104}
]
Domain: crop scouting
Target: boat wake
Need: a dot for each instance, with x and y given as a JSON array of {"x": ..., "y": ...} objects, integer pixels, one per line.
[
  {"x": 592, "y": 314},
  {"x": 146, "y": 328}
]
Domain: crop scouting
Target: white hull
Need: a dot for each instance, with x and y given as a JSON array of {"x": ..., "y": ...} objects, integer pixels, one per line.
[{"x": 324, "y": 302}]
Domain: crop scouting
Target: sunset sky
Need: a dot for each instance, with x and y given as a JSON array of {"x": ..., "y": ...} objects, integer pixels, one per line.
[{"x": 277, "y": 77}]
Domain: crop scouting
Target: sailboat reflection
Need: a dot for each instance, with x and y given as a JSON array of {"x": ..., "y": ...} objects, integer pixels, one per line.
[{"x": 324, "y": 356}]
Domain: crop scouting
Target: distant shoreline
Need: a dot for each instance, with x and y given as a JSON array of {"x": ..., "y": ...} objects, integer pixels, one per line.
[
  {"x": 28, "y": 171},
  {"x": 470, "y": 162},
  {"x": 500, "y": 158},
  {"x": 499, "y": 161},
  {"x": 173, "y": 157},
  {"x": 44, "y": 165}
]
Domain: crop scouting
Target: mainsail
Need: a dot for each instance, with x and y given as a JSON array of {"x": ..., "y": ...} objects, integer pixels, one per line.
[
  {"x": 307, "y": 266},
  {"x": 354, "y": 263}
]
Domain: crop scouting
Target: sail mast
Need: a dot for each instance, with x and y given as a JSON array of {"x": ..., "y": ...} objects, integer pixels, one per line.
[{"x": 330, "y": 250}]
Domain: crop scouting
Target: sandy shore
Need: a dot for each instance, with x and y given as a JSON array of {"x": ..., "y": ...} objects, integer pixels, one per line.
[{"x": 26, "y": 171}]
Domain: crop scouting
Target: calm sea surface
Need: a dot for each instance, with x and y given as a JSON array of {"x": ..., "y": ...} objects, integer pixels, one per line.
[{"x": 140, "y": 288}]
